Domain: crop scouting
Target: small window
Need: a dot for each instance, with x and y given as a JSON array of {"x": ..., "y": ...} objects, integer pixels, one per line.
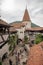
[{"x": 21, "y": 32}]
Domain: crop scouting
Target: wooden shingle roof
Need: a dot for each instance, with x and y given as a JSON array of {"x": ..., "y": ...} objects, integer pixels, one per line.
[
  {"x": 26, "y": 16},
  {"x": 3, "y": 22}
]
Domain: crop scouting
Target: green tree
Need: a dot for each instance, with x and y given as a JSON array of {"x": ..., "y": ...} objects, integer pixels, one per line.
[
  {"x": 26, "y": 39},
  {"x": 12, "y": 42},
  {"x": 39, "y": 38}
]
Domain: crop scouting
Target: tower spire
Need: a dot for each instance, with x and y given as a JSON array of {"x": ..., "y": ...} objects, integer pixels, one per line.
[{"x": 26, "y": 16}]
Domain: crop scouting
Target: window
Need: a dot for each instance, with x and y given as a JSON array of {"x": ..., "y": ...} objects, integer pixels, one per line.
[{"x": 21, "y": 32}]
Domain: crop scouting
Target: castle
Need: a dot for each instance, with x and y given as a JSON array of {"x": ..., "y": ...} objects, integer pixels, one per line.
[
  {"x": 22, "y": 25},
  {"x": 25, "y": 24}
]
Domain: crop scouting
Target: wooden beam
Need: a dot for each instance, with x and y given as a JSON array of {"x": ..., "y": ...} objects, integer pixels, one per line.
[
  {"x": 3, "y": 44},
  {"x": 2, "y": 37}
]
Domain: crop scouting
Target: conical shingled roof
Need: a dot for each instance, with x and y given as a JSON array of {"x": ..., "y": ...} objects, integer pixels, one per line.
[{"x": 26, "y": 16}]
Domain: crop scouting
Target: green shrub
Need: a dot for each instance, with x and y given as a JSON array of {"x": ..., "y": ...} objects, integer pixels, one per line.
[
  {"x": 26, "y": 39},
  {"x": 39, "y": 38},
  {"x": 12, "y": 42}
]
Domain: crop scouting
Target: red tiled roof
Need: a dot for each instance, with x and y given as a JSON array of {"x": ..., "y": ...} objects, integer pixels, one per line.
[
  {"x": 17, "y": 25},
  {"x": 12, "y": 29},
  {"x": 26, "y": 16},
  {"x": 36, "y": 55}
]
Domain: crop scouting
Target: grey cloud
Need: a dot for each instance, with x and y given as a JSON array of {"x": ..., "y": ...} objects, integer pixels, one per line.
[
  {"x": 30, "y": 1},
  {"x": 39, "y": 0},
  {"x": 39, "y": 12},
  {"x": 35, "y": 8},
  {"x": 10, "y": 17}
]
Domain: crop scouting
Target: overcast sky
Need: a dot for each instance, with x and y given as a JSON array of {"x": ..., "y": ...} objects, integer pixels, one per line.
[{"x": 13, "y": 10}]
